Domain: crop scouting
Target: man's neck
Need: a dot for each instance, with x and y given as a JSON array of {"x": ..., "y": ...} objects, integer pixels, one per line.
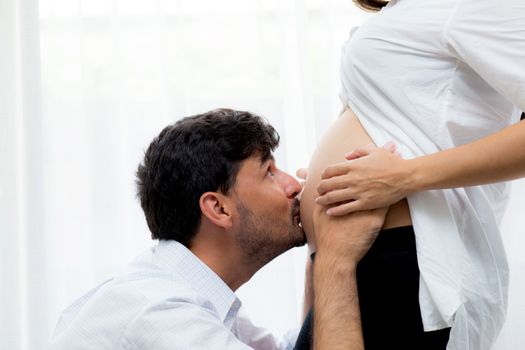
[{"x": 225, "y": 260}]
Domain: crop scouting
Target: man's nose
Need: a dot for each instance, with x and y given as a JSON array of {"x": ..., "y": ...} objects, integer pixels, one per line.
[{"x": 291, "y": 186}]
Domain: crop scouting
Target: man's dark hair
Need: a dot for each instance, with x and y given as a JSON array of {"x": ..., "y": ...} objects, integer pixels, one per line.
[
  {"x": 371, "y": 5},
  {"x": 196, "y": 154}
]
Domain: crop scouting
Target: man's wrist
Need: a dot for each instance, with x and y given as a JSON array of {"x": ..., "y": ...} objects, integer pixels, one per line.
[
  {"x": 344, "y": 264},
  {"x": 351, "y": 248}
]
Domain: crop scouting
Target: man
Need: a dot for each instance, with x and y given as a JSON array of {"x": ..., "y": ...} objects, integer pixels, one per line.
[{"x": 221, "y": 209}]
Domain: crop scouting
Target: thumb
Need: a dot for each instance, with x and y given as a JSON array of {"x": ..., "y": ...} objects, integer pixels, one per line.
[{"x": 302, "y": 173}]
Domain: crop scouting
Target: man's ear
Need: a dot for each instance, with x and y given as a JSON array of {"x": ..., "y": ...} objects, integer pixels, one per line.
[{"x": 217, "y": 208}]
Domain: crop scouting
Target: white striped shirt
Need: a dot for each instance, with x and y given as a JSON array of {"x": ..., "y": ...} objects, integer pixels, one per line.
[{"x": 165, "y": 299}]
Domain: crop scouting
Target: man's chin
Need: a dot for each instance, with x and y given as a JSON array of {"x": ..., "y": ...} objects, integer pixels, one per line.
[{"x": 301, "y": 237}]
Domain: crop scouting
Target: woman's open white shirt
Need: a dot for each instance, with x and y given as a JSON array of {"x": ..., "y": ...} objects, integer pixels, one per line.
[{"x": 432, "y": 75}]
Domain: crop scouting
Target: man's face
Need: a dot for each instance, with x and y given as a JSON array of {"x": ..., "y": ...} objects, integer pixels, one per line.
[{"x": 268, "y": 210}]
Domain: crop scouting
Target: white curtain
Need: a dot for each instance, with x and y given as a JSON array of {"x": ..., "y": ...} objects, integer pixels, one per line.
[{"x": 84, "y": 87}]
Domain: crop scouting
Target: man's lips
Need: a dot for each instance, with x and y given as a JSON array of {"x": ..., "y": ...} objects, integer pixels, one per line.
[
  {"x": 297, "y": 221},
  {"x": 296, "y": 214}
]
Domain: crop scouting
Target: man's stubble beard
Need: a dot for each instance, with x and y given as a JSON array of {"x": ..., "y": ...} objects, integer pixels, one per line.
[{"x": 263, "y": 238}]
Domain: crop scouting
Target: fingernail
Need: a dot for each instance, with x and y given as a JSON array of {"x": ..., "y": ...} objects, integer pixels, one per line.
[{"x": 329, "y": 212}]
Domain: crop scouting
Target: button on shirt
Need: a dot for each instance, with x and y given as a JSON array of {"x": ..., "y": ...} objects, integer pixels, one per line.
[
  {"x": 165, "y": 299},
  {"x": 432, "y": 75}
]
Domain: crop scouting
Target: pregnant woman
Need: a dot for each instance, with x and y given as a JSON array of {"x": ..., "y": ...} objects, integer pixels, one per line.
[{"x": 444, "y": 80}]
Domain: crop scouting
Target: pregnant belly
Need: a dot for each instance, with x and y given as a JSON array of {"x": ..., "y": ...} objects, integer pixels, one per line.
[{"x": 344, "y": 135}]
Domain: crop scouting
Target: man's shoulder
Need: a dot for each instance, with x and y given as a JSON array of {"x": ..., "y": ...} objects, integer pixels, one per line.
[
  {"x": 124, "y": 304},
  {"x": 147, "y": 280},
  {"x": 152, "y": 286}
]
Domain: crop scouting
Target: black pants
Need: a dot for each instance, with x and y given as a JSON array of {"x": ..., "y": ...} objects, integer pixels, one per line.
[{"x": 388, "y": 287}]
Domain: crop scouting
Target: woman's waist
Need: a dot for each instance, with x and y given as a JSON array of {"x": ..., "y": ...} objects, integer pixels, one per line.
[{"x": 398, "y": 215}]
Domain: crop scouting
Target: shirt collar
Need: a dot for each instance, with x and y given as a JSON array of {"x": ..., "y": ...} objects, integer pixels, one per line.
[{"x": 175, "y": 257}]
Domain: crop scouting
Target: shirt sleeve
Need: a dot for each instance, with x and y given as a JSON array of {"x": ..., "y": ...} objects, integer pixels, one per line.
[
  {"x": 179, "y": 326},
  {"x": 260, "y": 338},
  {"x": 343, "y": 94},
  {"x": 489, "y": 36}
]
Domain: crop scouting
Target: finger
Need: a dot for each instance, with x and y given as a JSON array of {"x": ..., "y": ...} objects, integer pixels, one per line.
[
  {"x": 345, "y": 208},
  {"x": 332, "y": 184},
  {"x": 335, "y": 196},
  {"x": 302, "y": 173},
  {"x": 336, "y": 170},
  {"x": 352, "y": 155},
  {"x": 390, "y": 146},
  {"x": 361, "y": 151}
]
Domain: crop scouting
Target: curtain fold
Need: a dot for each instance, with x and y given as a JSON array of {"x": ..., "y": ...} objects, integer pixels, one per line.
[
  {"x": 22, "y": 205},
  {"x": 11, "y": 333}
]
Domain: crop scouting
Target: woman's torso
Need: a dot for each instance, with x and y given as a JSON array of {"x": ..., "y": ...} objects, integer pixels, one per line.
[{"x": 407, "y": 74}]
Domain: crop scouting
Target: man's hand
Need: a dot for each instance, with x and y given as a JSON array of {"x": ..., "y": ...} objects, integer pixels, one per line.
[
  {"x": 347, "y": 237},
  {"x": 341, "y": 243}
]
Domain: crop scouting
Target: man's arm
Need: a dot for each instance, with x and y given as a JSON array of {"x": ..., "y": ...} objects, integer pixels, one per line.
[
  {"x": 337, "y": 320},
  {"x": 342, "y": 242},
  {"x": 308, "y": 288}
]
